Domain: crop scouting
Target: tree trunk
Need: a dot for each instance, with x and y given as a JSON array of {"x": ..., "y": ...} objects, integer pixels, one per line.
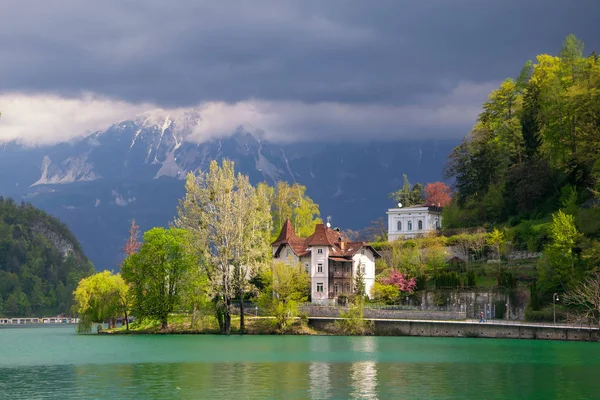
[
  {"x": 126, "y": 319},
  {"x": 227, "y": 317},
  {"x": 242, "y": 325},
  {"x": 164, "y": 324},
  {"x": 193, "y": 317}
]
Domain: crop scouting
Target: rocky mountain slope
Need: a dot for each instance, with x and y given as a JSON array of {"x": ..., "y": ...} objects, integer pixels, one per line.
[{"x": 135, "y": 169}]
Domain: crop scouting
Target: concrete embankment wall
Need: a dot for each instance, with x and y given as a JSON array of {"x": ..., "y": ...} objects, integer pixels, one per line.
[{"x": 470, "y": 329}]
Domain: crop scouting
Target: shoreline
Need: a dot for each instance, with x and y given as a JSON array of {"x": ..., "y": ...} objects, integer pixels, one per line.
[{"x": 325, "y": 326}]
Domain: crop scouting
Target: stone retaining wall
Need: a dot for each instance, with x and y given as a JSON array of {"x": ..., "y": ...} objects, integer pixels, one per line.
[{"x": 469, "y": 329}]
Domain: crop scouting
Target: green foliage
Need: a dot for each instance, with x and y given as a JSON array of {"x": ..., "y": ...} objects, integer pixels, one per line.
[
  {"x": 534, "y": 302},
  {"x": 408, "y": 194},
  {"x": 557, "y": 268},
  {"x": 500, "y": 309},
  {"x": 100, "y": 297},
  {"x": 292, "y": 202},
  {"x": 387, "y": 294},
  {"x": 446, "y": 279},
  {"x": 40, "y": 262},
  {"x": 285, "y": 287},
  {"x": 353, "y": 323},
  {"x": 156, "y": 273},
  {"x": 546, "y": 314},
  {"x": 471, "y": 281},
  {"x": 532, "y": 136}
]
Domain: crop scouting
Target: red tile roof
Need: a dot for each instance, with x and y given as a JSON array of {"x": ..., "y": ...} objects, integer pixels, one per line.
[
  {"x": 323, "y": 236},
  {"x": 287, "y": 234}
]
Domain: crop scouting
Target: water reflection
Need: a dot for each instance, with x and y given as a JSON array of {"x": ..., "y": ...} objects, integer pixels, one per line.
[
  {"x": 319, "y": 379},
  {"x": 364, "y": 380}
]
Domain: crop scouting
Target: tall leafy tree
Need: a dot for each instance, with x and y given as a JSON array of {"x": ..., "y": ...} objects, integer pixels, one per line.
[
  {"x": 231, "y": 220},
  {"x": 156, "y": 273},
  {"x": 408, "y": 194},
  {"x": 291, "y": 202}
]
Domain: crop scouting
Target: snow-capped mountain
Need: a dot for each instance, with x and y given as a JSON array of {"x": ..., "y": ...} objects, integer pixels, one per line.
[{"x": 135, "y": 169}]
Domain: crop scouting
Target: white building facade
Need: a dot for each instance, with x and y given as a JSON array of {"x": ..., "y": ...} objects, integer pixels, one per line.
[
  {"x": 411, "y": 222},
  {"x": 331, "y": 261}
]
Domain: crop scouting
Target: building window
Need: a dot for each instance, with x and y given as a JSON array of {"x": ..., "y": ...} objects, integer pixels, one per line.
[
  {"x": 319, "y": 287},
  {"x": 306, "y": 267},
  {"x": 319, "y": 251},
  {"x": 347, "y": 288},
  {"x": 362, "y": 252},
  {"x": 335, "y": 288},
  {"x": 399, "y": 225},
  {"x": 320, "y": 267},
  {"x": 362, "y": 268},
  {"x": 410, "y": 225},
  {"x": 420, "y": 225},
  {"x": 335, "y": 267}
]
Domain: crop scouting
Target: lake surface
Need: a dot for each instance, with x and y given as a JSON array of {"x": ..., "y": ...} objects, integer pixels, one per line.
[{"x": 55, "y": 363}]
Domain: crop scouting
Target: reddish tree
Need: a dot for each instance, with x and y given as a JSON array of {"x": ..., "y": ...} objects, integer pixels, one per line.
[
  {"x": 133, "y": 243},
  {"x": 437, "y": 194},
  {"x": 401, "y": 281}
]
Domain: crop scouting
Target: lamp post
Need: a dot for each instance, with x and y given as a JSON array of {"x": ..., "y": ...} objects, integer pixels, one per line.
[{"x": 554, "y": 300}]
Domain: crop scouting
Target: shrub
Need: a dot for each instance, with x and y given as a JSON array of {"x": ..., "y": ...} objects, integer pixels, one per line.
[
  {"x": 353, "y": 323},
  {"x": 545, "y": 314}
]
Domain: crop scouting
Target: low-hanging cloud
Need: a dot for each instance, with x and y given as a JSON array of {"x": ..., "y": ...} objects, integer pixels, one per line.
[
  {"x": 37, "y": 120},
  {"x": 44, "y": 119}
]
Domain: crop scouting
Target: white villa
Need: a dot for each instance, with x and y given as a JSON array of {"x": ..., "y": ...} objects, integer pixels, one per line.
[
  {"x": 411, "y": 222},
  {"x": 330, "y": 260}
]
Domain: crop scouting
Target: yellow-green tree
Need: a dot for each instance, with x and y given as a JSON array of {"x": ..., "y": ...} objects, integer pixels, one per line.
[
  {"x": 557, "y": 268},
  {"x": 285, "y": 287},
  {"x": 100, "y": 297},
  {"x": 230, "y": 221},
  {"x": 291, "y": 201},
  {"x": 496, "y": 240}
]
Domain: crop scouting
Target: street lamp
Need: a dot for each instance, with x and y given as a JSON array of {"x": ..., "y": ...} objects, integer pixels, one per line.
[{"x": 554, "y": 300}]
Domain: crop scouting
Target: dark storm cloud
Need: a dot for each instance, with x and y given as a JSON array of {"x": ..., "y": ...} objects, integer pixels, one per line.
[
  {"x": 389, "y": 53},
  {"x": 180, "y": 53}
]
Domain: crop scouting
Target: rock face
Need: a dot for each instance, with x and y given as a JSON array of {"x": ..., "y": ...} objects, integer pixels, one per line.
[{"x": 135, "y": 169}]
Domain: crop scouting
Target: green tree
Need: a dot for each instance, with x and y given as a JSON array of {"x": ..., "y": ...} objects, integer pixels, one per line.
[
  {"x": 496, "y": 240},
  {"x": 100, "y": 297},
  {"x": 231, "y": 220},
  {"x": 291, "y": 201},
  {"x": 285, "y": 287},
  {"x": 558, "y": 264},
  {"x": 409, "y": 195},
  {"x": 156, "y": 273}
]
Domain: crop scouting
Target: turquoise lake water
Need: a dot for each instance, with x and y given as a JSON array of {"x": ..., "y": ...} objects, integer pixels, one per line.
[{"x": 56, "y": 363}]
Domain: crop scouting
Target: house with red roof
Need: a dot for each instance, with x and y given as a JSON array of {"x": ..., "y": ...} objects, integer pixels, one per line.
[{"x": 330, "y": 260}]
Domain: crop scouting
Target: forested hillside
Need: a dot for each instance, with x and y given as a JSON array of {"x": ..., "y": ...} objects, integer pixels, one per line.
[
  {"x": 41, "y": 262},
  {"x": 535, "y": 145},
  {"x": 531, "y": 167}
]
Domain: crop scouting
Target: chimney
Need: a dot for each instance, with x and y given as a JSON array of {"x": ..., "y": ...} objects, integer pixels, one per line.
[{"x": 342, "y": 243}]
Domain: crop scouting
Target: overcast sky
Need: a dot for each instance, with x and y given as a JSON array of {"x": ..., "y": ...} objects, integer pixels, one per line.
[{"x": 312, "y": 69}]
